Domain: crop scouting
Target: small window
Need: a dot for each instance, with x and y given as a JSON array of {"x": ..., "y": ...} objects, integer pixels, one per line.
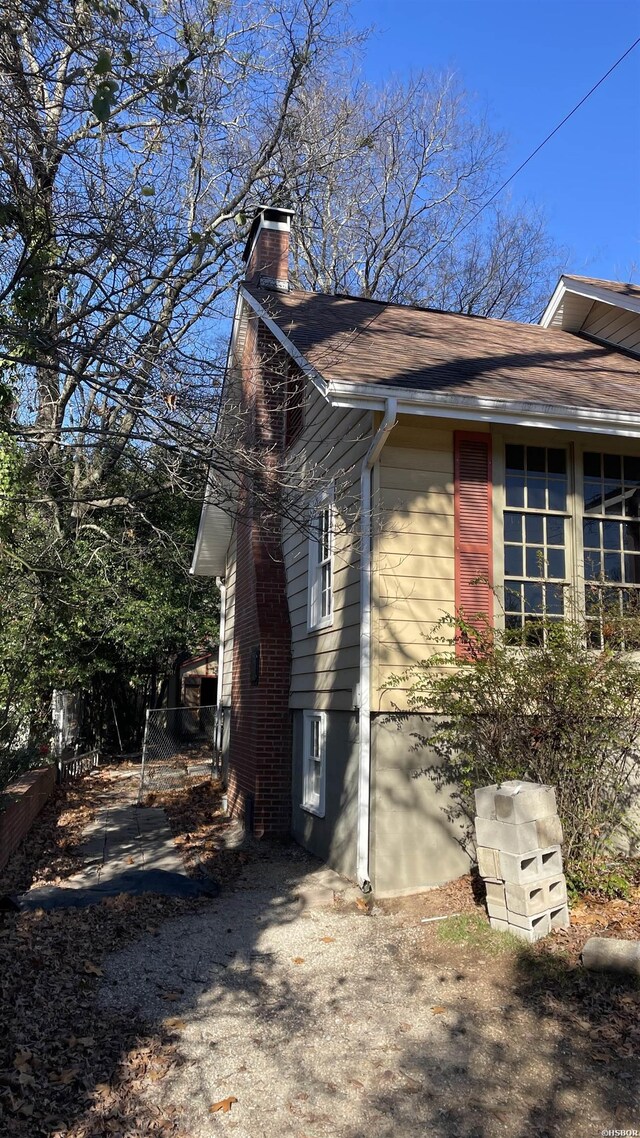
[
  {"x": 320, "y": 583},
  {"x": 314, "y": 762}
]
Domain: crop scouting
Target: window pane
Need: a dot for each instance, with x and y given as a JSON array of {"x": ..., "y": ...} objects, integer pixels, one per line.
[
  {"x": 613, "y": 498},
  {"x": 535, "y": 562},
  {"x": 533, "y": 632},
  {"x": 536, "y": 493},
  {"x": 555, "y": 531},
  {"x": 555, "y": 600},
  {"x": 632, "y": 503},
  {"x": 611, "y": 535},
  {"x": 632, "y": 471},
  {"x": 532, "y": 598},
  {"x": 631, "y": 536},
  {"x": 512, "y": 561},
  {"x": 592, "y": 565},
  {"x": 632, "y": 568},
  {"x": 536, "y": 459},
  {"x": 592, "y": 465},
  {"x": 556, "y": 461},
  {"x": 591, "y": 531},
  {"x": 515, "y": 490},
  {"x": 612, "y": 567},
  {"x": 514, "y": 457},
  {"x": 593, "y": 497},
  {"x": 533, "y": 529},
  {"x": 612, "y": 466},
  {"x": 513, "y": 596},
  {"x": 513, "y": 527},
  {"x": 557, "y": 494},
  {"x": 555, "y": 563}
]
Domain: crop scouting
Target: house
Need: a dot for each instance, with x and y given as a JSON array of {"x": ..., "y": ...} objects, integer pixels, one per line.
[{"x": 438, "y": 449}]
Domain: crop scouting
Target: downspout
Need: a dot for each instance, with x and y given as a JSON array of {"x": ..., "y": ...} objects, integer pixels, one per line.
[{"x": 364, "y": 764}]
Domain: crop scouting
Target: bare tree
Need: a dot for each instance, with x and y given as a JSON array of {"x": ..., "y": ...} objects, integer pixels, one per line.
[
  {"x": 133, "y": 142},
  {"x": 383, "y": 181}
]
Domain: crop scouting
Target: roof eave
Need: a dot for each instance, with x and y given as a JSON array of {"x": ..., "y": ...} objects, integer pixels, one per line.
[
  {"x": 590, "y": 292},
  {"x": 481, "y": 409}
]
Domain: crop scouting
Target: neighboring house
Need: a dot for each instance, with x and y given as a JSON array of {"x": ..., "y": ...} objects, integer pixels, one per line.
[{"x": 442, "y": 449}]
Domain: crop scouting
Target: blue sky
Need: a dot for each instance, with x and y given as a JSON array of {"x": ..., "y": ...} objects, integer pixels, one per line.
[{"x": 528, "y": 62}]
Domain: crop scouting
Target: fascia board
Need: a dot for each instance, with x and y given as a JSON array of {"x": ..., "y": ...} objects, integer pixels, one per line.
[
  {"x": 315, "y": 376},
  {"x": 483, "y": 410},
  {"x": 552, "y": 307}
]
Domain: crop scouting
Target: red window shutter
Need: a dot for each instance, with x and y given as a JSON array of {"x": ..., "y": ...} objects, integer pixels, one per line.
[{"x": 473, "y": 543}]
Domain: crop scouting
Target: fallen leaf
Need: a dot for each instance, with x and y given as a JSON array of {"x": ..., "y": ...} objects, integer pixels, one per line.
[
  {"x": 92, "y": 969},
  {"x": 328, "y": 939},
  {"x": 175, "y": 1022},
  {"x": 170, "y": 996},
  {"x": 438, "y": 1010},
  {"x": 362, "y": 904},
  {"x": 298, "y": 959},
  {"x": 224, "y": 1105}
]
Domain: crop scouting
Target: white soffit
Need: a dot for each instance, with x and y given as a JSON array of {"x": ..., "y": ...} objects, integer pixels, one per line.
[
  {"x": 572, "y": 300},
  {"x": 212, "y": 542}
]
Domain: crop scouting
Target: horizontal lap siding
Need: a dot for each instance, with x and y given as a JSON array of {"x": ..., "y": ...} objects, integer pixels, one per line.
[
  {"x": 325, "y": 664},
  {"x": 414, "y": 584},
  {"x": 616, "y": 325}
]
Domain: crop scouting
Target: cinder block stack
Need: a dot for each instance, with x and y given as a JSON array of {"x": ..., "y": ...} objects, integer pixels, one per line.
[{"x": 519, "y": 835}]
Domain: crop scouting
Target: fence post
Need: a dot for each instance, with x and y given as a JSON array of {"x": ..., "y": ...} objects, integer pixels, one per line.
[{"x": 144, "y": 751}]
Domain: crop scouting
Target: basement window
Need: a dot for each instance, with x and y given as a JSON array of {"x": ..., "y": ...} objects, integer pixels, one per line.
[{"x": 314, "y": 761}]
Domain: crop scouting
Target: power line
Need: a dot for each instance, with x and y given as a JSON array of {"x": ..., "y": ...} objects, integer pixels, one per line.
[
  {"x": 543, "y": 143},
  {"x": 454, "y": 237}
]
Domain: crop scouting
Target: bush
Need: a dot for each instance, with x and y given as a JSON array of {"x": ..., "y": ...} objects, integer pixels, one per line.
[{"x": 558, "y": 713}]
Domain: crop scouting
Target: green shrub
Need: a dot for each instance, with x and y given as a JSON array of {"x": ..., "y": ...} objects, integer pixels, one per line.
[{"x": 558, "y": 713}]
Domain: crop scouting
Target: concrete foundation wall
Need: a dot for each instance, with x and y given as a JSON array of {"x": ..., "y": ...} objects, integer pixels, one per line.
[
  {"x": 413, "y": 843},
  {"x": 332, "y": 838}
]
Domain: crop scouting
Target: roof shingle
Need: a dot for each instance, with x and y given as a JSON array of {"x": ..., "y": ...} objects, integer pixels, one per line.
[{"x": 362, "y": 341}]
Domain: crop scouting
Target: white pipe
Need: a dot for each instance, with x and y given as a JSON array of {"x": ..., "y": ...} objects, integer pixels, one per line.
[{"x": 364, "y": 732}]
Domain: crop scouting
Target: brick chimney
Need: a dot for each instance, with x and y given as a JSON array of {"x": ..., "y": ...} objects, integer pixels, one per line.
[{"x": 266, "y": 253}]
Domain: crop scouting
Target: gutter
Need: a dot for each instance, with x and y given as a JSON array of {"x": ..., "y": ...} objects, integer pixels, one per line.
[{"x": 364, "y": 732}]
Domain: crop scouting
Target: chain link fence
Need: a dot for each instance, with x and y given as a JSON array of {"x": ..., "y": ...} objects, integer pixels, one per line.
[{"x": 181, "y": 746}]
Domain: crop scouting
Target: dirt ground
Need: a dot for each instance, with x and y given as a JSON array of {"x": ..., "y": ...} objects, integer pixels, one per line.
[{"x": 140, "y": 1015}]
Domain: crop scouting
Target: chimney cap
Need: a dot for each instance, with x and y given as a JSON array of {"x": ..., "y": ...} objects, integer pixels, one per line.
[{"x": 277, "y": 215}]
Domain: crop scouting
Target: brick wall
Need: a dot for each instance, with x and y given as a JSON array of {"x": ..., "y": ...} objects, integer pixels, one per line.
[
  {"x": 269, "y": 256},
  {"x": 260, "y": 739},
  {"x": 25, "y": 798}
]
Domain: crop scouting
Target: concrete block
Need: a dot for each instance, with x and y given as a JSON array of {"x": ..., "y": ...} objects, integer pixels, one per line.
[
  {"x": 495, "y": 909},
  {"x": 538, "y": 925},
  {"x": 518, "y": 802},
  {"x": 519, "y": 839},
  {"x": 559, "y": 917},
  {"x": 520, "y": 869},
  {"x": 488, "y": 863},
  {"x": 496, "y": 892},
  {"x": 485, "y": 797},
  {"x": 499, "y": 925},
  {"x": 545, "y": 893}
]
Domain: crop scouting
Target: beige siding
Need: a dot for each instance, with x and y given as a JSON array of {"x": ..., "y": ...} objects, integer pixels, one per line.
[
  {"x": 413, "y": 586},
  {"x": 230, "y": 599},
  {"x": 325, "y": 663},
  {"x": 616, "y": 325}
]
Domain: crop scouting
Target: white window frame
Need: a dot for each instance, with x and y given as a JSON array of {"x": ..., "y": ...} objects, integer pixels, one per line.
[
  {"x": 313, "y": 802},
  {"x": 316, "y": 563}
]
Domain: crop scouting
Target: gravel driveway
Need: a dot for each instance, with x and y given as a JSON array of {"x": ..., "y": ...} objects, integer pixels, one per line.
[{"x": 320, "y": 1019}]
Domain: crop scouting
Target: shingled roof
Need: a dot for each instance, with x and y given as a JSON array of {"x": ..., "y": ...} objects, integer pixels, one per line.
[
  {"x": 360, "y": 341},
  {"x": 620, "y": 287}
]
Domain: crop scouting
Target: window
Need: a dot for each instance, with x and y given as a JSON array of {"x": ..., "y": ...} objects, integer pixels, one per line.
[
  {"x": 611, "y": 540},
  {"x": 314, "y": 761},
  {"x": 320, "y": 583},
  {"x": 535, "y": 525}
]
